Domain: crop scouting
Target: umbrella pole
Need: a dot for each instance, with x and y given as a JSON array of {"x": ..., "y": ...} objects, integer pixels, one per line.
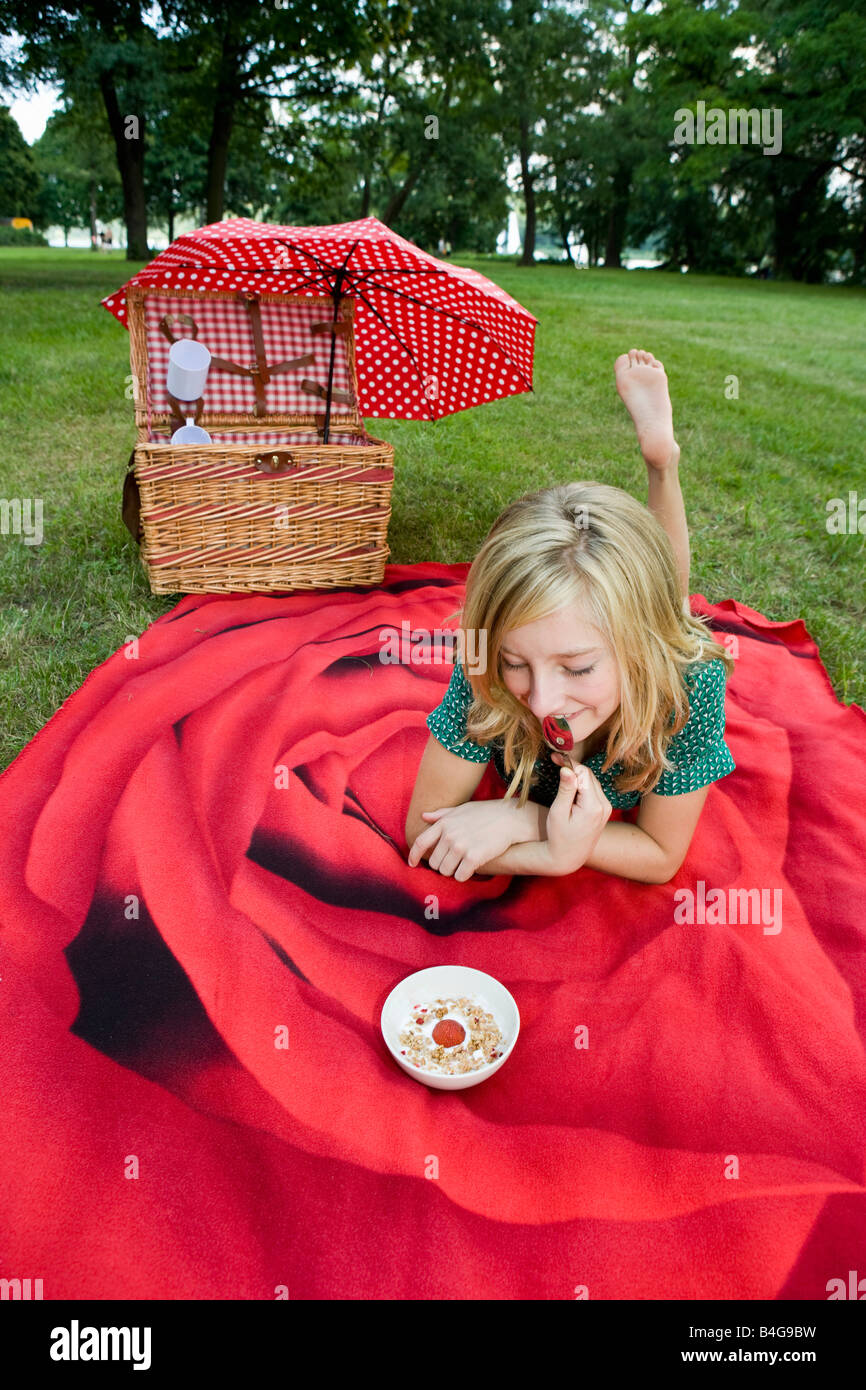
[{"x": 337, "y": 297}]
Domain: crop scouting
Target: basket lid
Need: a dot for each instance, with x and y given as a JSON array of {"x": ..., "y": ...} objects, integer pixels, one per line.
[{"x": 270, "y": 356}]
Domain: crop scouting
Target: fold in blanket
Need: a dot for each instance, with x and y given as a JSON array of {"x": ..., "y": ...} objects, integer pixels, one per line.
[{"x": 202, "y": 856}]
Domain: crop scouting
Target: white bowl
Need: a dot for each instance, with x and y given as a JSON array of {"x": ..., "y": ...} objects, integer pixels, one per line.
[{"x": 449, "y": 982}]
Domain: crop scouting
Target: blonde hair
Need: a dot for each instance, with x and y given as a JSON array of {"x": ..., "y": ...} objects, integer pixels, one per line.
[{"x": 594, "y": 547}]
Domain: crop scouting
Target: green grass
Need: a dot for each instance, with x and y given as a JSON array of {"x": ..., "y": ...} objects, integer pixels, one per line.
[{"x": 756, "y": 472}]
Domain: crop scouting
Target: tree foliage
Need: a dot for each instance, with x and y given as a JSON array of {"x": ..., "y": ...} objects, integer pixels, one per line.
[
  {"x": 19, "y": 179},
  {"x": 80, "y": 183},
  {"x": 428, "y": 114}
]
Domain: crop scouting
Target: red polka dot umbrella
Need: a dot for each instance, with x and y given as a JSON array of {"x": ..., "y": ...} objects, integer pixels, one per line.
[{"x": 430, "y": 338}]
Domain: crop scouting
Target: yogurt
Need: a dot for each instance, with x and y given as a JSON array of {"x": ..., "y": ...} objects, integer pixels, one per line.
[{"x": 481, "y": 1044}]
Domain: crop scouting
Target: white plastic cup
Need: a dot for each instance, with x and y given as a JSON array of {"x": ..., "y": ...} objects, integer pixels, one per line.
[
  {"x": 188, "y": 366},
  {"x": 191, "y": 434}
]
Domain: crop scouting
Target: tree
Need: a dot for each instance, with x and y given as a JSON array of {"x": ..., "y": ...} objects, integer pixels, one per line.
[
  {"x": 683, "y": 198},
  {"x": 719, "y": 206},
  {"x": 440, "y": 101},
  {"x": 80, "y": 181},
  {"x": 411, "y": 137},
  {"x": 810, "y": 65},
  {"x": 462, "y": 198},
  {"x": 176, "y": 146},
  {"x": 573, "y": 192},
  {"x": 106, "y": 47},
  {"x": 19, "y": 178},
  {"x": 317, "y": 182},
  {"x": 540, "y": 50},
  {"x": 572, "y": 186},
  {"x": 240, "y": 54}
]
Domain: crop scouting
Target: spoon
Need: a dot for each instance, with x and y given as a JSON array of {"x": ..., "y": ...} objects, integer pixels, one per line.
[{"x": 558, "y": 736}]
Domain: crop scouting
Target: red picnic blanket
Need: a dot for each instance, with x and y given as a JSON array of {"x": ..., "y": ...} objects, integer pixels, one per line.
[{"x": 204, "y": 847}]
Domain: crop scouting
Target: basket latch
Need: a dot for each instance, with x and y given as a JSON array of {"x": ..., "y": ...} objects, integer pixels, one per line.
[{"x": 276, "y": 461}]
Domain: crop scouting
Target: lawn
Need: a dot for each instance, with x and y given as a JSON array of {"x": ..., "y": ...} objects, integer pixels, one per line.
[{"x": 757, "y": 470}]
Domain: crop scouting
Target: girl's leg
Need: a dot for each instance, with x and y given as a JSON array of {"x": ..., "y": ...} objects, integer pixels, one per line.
[
  {"x": 643, "y": 386},
  {"x": 666, "y": 503}
]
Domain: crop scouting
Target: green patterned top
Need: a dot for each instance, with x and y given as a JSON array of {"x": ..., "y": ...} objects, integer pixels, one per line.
[{"x": 699, "y": 752}]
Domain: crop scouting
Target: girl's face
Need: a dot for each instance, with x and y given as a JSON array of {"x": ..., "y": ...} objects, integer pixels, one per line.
[{"x": 562, "y": 665}]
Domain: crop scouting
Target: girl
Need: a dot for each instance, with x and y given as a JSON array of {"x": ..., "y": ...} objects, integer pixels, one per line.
[{"x": 583, "y": 596}]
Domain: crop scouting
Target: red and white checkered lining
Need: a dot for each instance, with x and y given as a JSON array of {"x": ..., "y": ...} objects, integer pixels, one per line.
[
  {"x": 266, "y": 439},
  {"x": 225, "y": 328}
]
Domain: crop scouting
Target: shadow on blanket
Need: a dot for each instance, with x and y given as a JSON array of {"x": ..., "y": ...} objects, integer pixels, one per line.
[{"x": 204, "y": 848}]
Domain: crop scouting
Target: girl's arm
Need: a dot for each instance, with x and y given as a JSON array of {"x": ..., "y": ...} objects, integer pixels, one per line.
[
  {"x": 621, "y": 849},
  {"x": 446, "y": 779},
  {"x": 654, "y": 848},
  {"x": 626, "y": 850},
  {"x": 532, "y": 857},
  {"x": 443, "y": 779},
  {"x": 650, "y": 851}
]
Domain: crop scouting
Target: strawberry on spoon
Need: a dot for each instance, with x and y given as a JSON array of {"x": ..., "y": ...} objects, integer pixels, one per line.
[{"x": 558, "y": 735}]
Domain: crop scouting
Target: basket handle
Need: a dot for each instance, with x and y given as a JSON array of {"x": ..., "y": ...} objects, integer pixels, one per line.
[
  {"x": 277, "y": 461},
  {"x": 165, "y": 325},
  {"x": 180, "y": 410}
]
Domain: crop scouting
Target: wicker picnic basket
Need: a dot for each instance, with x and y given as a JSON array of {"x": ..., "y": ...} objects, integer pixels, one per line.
[{"x": 268, "y": 505}]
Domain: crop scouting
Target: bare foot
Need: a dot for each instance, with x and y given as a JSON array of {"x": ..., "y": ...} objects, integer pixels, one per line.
[{"x": 643, "y": 386}]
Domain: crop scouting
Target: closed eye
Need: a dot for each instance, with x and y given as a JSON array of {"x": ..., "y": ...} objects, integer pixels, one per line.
[{"x": 518, "y": 666}]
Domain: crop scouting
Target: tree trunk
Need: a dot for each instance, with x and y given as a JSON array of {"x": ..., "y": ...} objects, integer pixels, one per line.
[
  {"x": 365, "y": 197},
  {"x": 561, "y": 219},
  {"x": 564, "y": 231},
  {"x": 218, "y": 158},
  {"x": 528, "y": 257},
  {"x": 171, "y": 221},
  {"x": 395, "y": 206},
  {"x": 130, "y": 163},
  {"x": 225, "y": 103},
  {"x": 781, "y": 236},
  {"x": 618, "y": 214},
  {"x": 94, "y": 235},
  {"x": 793, "y": 255},
  {"x": 858, "y": 270}
]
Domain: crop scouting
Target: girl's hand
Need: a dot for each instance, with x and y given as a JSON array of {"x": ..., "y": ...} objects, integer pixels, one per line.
[
  {"x": 579, "y": 813},
  {"x": 467, "y": 836}
]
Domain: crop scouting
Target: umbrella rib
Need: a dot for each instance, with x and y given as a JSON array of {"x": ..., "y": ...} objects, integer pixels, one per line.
[
  {"x": 449, "y": 314},
  {"x": 320, "y": 279},
  {"x": 218, "y": 265},
  {"x": 258, "y": 270},
  {"x": 319, "y": 264},
  {"x": 325, "y": 268},
  {"x": 397, "y": 270},
  {"x": 394, "y": 334}
]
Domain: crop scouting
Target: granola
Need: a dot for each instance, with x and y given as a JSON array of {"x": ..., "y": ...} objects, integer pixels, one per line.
[{"x": 471, "y": 1039}]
